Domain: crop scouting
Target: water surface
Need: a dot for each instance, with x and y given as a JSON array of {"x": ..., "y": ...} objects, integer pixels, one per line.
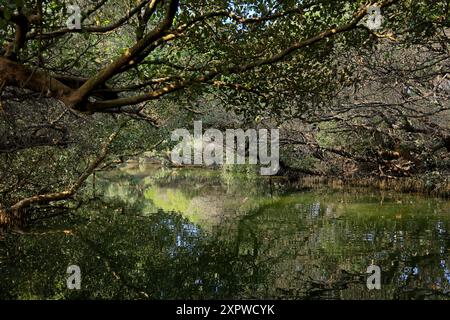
[{"x": 202, "y": 234}]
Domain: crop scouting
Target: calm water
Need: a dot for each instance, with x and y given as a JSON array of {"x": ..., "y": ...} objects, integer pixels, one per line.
[{"x": 164, "y": 234}]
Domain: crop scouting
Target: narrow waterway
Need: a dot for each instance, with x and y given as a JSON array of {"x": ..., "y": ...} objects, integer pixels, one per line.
[{"x": 203, "y": 234}]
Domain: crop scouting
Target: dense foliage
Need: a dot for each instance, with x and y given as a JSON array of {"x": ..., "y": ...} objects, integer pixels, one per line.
[{"x": 348, "y": 100}]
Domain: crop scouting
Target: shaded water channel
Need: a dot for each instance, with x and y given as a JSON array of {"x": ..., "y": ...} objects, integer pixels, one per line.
[{"x": 202, "y": 234}]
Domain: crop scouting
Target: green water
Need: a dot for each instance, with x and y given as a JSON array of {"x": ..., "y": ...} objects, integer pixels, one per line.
[{"x": 165, "y": 234}]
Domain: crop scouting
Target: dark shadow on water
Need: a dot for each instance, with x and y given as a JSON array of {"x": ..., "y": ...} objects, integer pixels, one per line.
[{"x": 185, "y": 234}]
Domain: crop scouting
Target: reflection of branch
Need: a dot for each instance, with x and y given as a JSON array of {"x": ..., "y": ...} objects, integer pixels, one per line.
[
  {"x": 92, "y": 246},
  {"x": 110, "y": 266},
  {"x": 42, "y": 233}
]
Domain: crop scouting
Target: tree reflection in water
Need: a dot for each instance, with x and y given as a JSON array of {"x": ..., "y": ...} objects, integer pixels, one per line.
[{"x": 211, "y": 235}]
